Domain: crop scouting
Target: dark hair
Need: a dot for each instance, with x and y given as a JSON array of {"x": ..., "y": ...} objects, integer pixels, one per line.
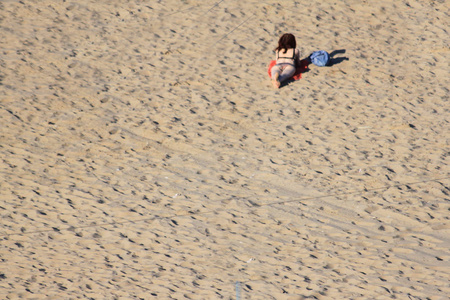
[{"x": 286, "y": 41}]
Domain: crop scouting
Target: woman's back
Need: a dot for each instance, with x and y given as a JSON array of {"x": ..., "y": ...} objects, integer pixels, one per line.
[{"x": 289, "y": 57}]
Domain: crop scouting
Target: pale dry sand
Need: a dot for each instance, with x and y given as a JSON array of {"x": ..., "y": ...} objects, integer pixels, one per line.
[{"x": 145, "y": 154}]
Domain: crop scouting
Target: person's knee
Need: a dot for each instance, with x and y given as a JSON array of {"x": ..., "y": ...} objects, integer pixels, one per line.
[{"x": 273, "y": 72}]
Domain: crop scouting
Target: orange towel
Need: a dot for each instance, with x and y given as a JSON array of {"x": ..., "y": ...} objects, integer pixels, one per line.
[{"x": 298, "y": 72}]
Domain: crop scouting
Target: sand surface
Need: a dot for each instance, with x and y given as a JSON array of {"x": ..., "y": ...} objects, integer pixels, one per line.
[{"x": 145, "y": 154}]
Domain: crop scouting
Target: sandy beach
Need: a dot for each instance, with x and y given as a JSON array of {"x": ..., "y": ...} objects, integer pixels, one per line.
[{"x": 146, "y": 155}]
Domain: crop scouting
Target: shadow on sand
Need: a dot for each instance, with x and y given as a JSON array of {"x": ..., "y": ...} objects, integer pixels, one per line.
[{"x": 336, "y": 60}]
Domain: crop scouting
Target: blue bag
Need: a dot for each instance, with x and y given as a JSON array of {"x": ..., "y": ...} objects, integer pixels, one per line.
[{"x": 319, "y": 58}]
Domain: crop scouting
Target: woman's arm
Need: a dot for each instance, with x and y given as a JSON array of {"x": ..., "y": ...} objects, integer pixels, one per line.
[{"x": 297, "y": 57}]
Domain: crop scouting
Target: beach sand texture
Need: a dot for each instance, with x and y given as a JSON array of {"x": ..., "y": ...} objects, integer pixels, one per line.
[{"x": 146, "y": 155}]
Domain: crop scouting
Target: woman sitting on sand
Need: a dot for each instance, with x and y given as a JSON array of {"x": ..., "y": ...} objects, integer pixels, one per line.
[{"x": 287, "y": 58}]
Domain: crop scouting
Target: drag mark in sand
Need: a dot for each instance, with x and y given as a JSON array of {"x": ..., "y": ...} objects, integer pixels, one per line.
[{"x": 253, "y": 204}]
